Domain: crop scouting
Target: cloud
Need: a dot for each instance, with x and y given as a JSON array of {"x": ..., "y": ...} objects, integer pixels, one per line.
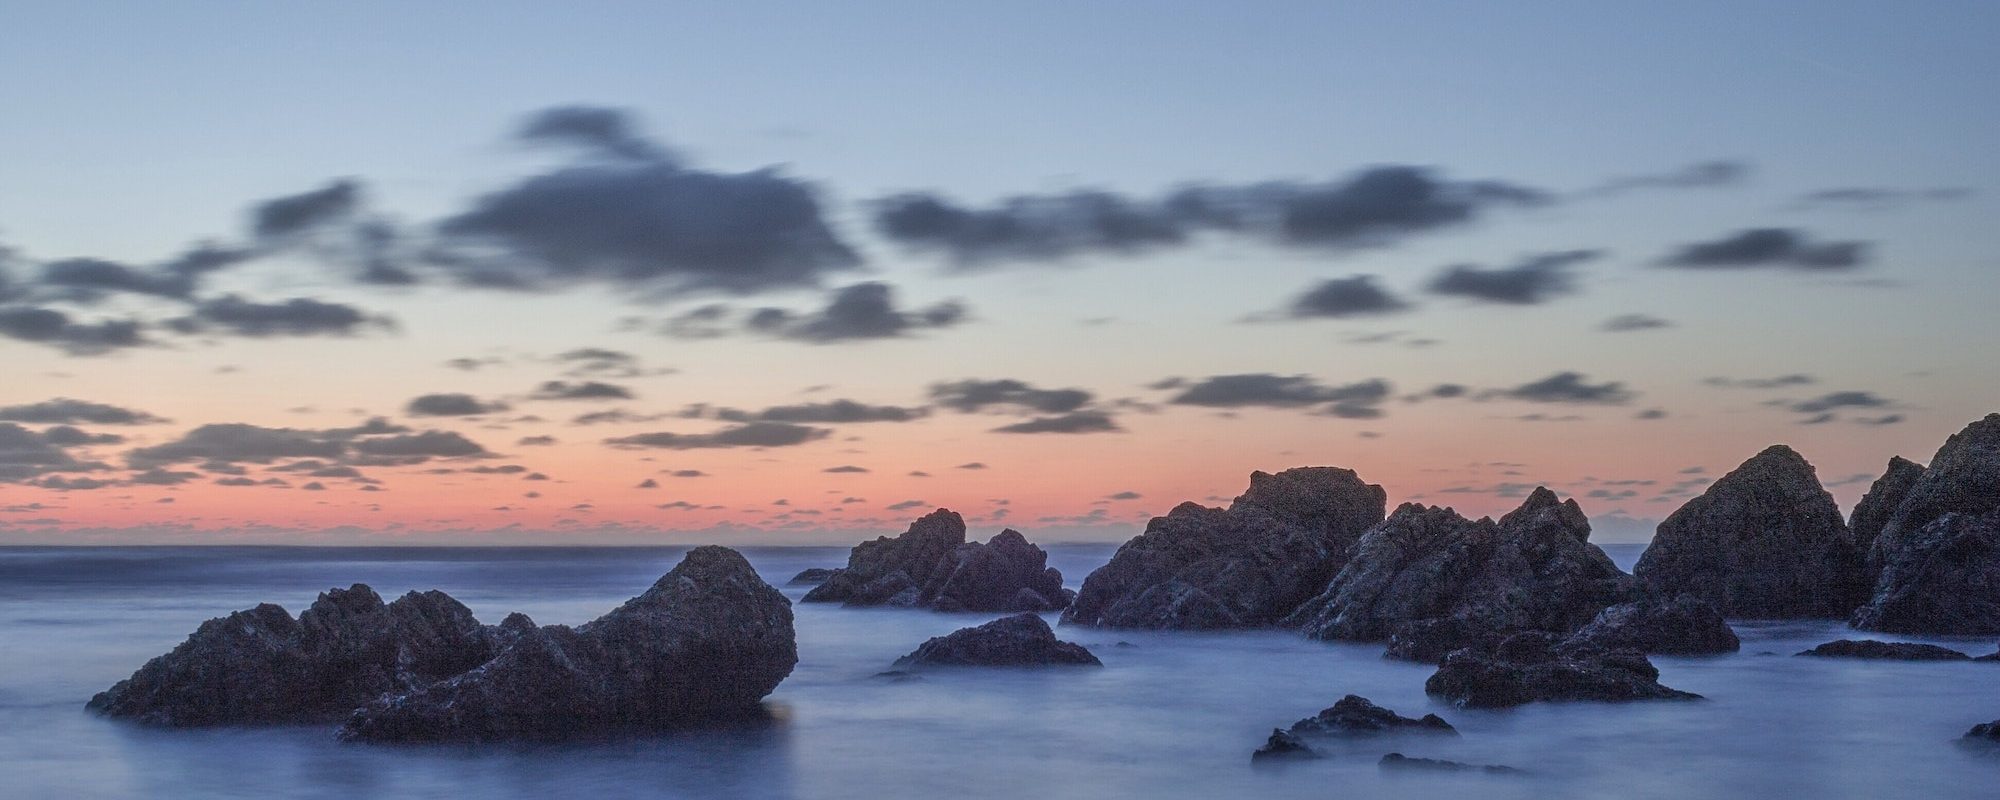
[
  {"x": 845, "y": 469},
  {"x": 285, "y": 216},
  {"x": 1535, "y": 279},
  {"x": 1566, "y": 387},
  {"x": 1773, "y": 382},
  {"x": 604, "y": 131},
  {"x": 63, "y": 410},
  {"x": 1753, "y": 248},
  {"x": 832, "y": 412},
  {"x": 1625, "y": 323},
  {"x": 1374, "y": 207},
  {"x": 89, "y": 280},
  {"x": 1007, "y": 394},
  {"x": 1073, "y": 422},
  {"x": 1885, "y": 419},
  {"x": 57, "y": 329},
  {"x": 1345, "y": 297},
  {"x": 587, "y": 362},
  {"x": 583, "y": 390},
  {"x": 1838, "y": 400},
  {"x": 906, "y": 505},
  {"x": 1879, "y": 198},
  {"x": 1701, "y": 175},
  {"x": 536, "y": 441},
  {"x": 299, "y": 316},
  {"x": 221, "y": 445},
  {"x": 451, "y": 404},
  {"x": 1651, "y": 413},
  {"x": 26, "y": 454},
  {"x": 751, "y": 434},
  {"x": 1361, "y": 400},
  {"x": 857, "y": 312},
  {"x": 1124, "y": 496},
  {"x": 442, "y": 444}
]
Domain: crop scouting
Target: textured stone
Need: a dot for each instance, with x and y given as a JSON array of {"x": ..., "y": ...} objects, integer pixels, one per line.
[
  {"x": 932, "y": 566},
  {"x": 1529, "y": 667},
  {"x": 1683, "y": 626},
  {"x": 1938, "y": 555},
  {"x": 1354, "y": 715},
  {"x": 1283, "y": 746},
  {"x": 1022, "y": 640},
  {"x": 1888, "y": 651}
]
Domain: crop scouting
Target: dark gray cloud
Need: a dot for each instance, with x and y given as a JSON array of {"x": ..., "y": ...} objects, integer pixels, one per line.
[
  {"x": 1754, "y": 248},
  {"x": 1374, "y": 207},
  {"x": 1073, "y": 422},
  {"x": 163, "y": 477},
  {"x": 286, "y": 216},
  {"x": 861, "y": 311},
  {"x": 845, "y": 469},
  {"x": 1701, "y": 175},
  {"x": 26, "y": 454},
  {"x": 451, "y": 404},
  {"x": 377, "y": 442},
  {"x": 1885, "y": 419},
  {"x": 440, "y": 444},
  {"x": 536, "y": 441},
  {"x": 1837, "y": 400},
  {"x": 604, "y": 131},
  {"x": 88, "y": 280},
  {"x": 1007, "y": 394},
  {"x": 1345, "y": 297},
  {"x": 1362, "y": 400},
  {"x": 72, "y": 436},
  {"x": 1879, "y": 198},
  {"x": 1566, "y": 387},
  {"x": 1773, "y": 382},
  {"x": 1625, "y": 323},
  {"x": 581, "y": 390},
  {"x": 749, "y": 434},
  {"x": 63, "y": 410},
  {"x": 586, "y": 362},
  {"x": 56, "y": 329},
  {"x": 299, "y": 316},
  {"x": 832, "y": 412},
  {"x": 1533, "y": 280}
]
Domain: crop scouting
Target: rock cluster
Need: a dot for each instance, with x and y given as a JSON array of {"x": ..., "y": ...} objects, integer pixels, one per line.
[
  {"x": 1245, "y": 566},
  {"x": 1681, "y": 626},
  {"x": 1892, "y": 651},
  {"x": 1533, "y": 666},
  {"x": 932, "y": 566},
  {"x": 1354, "y": 715},
  {"x": 1936, "y": 560},
  {"x": 1022, "y": 640}
]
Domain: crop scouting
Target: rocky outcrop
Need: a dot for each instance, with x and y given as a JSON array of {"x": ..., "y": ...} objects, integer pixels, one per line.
[
  {"x": 1938, "y": 555},
  {"x": 1530, "y": 667},
  {"x": 1684, "y": 626},
  {"x": 1765, "y": 541},
  {"x": 263, "y": 666},
  {"x": 1985, "y": 733},
  {"x": 1283, "y": 746},
  {"x": 1022, "y": 640},
  {"x": 1876, "y": 508},
  {"x": 1354, "y": 715},
  {"x": 1247, "y": 566},
  {"x": 709, "y": 640},
  {"x": 1398, "y": 761},
  {"x": 812, "y": 577},
  {"x": 1888, "y": 651},
  {"x": 1433, "y": 581},
  {"x": 932, "y": 566}
]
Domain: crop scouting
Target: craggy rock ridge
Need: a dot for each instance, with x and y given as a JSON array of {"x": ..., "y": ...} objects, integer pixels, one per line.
[
  {"x": 709, "y": 640},
  {"x": 1889, "y": 651},
  {"x": 1022, "y": 640},
  {"x": 1683, "y": 626},
  {"x": 1530, "y": 667},
  {"x": 1765, "y": 541},
  {"x": 1985, "y": 733},
  {"x": 932, "y": 566},
  {"x": 1433, "y": 577},
  {"x": 812, "y": 576},
  {"x": 1246, "y": 566},
  {"x": 1939, "y": 552},
  {"x": 262, "y": 666},
  {"x": 1354, "y": 715},
  {"x": 1283, "y": 746},
  {"x": 1877, "y": 507}
]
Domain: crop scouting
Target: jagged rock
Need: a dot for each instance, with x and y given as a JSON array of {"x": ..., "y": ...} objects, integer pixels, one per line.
[
  {"x": 1022, "y": 640},
  {"x": 1354, "y": 715},
  {"x": 1938, "y": 555},
  {"x": 1530, "y": 667},
  {"x": 1765, "y": 541},
  {"x": 1004, "y": 574},
  {"x": 262, "y": 666},
  {"x": 813, "y": 576},
  {"x": 1963, "y": 477},
  {"x": 917, "y": 554},
  {"x": 1683, "y": 626},
  {"x": 1283, "y": 746},
  {"x": 1395, "y": 761},
  {"x": 1985, "y": 733},
  {"x": 1892, "y": 651},
  {"x": 1876, "y": 508},
  {"x": 932, "y": 566},
  {"x": 1247, "y": 566},
  {"x": 709, "y": 640},
  {"x": 1535, "y": 569}
]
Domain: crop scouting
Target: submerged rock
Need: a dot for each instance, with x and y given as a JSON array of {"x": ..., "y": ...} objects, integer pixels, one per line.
[
  {"x": 1895, "y": 651},
  {"x": 1354, "y": 715},
  {"x": 709, "y": 640},
  {"x": 1283, "y": 746},
  {"x": 1398, "y": 761},
  {"x": 813, "y": 576},
  {"x": 1683, "y": 626},
  {"x": 1530, "y": 667},
  {"x": 1765, "y": 541},
  {"x": 1022, "y": 640},
  {"x": 932, "y": 566},
  {"x": 1246, "y": 566},
  {"x": 1937, "y": 557},
  {"x": 262, "y": 666},
  {"x": 1984, "y": 733}
]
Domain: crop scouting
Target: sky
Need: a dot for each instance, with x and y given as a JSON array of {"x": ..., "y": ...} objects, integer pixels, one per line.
[{"x": 764, "y": 273}]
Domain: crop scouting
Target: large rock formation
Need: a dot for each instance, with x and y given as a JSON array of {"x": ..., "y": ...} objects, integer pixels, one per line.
[
  {"x": 262, "y": 666},
  {"x": 1876, "y": 508},
  {"x": 1765, "y": 541},
  {"x": 1022, "y": 640},
  {"x": 709, "y": 640},
  {"x": 1354, "y": 715},
  {"x": 1938, "y": 554},
  {"x": 1885, "y": 651},
  {"x": 931, "y": 565},
  {"x": 1428, "y": 575},
  {"x": 1684, "y": 626},
  {"x": 1247, "y": 566},
  {"x": 1531, "y": 667}
]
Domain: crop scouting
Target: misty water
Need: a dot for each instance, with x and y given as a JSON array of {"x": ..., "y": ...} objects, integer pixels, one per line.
[{"x": 1170, "y": 715}]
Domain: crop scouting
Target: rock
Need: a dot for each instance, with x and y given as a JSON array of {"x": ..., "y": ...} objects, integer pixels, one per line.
[
  {"x": 1535, "y": 569},
  {"x": 1353, "y": 715},
  {"x": 1004, "y": 574},
  {"x": 1283, "y": 746},
  {"x": 1247, "y": 566},
  {"x": 812, "y": 577},
  {"x": 1022, "y": 640},
  {"x": 1529, "y": 667},
  {"x": 1872, "y": 514},
  {"x": 1398, "y": 761},
  {"x": 1963, "y": 477},
  {"x": 709, "y": 640},
  {"x": 1683, "y": 626},
  {"x": 917, "y": 554},
  {"x": 1765, "y": 541},
  {"x": 932, "y": 566},
  {"x": 1987, "y": 733},
  {"x": 262, "y": 666},
  {"x": 1944, "y": 580},
  {"x": 1894, "y": 651}
]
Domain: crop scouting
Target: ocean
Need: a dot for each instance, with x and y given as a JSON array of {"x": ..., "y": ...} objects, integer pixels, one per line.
[{"x": 1171, "y": 715}]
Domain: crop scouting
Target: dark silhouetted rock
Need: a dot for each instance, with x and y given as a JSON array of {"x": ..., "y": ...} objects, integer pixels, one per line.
[
  {"x": 1283, "y": 746},
  {"x": 1353, "y": 715},
  {"x": 1430, "y": 640},
  {"x": 1398, "y": 761},
  {"x": 1022, "y": 640},
  {"x": 918, "y": 555},
  {"x": 1683, "y": 626},
  {"x": 813, "y": 576},
  {"x": 1205, "y": 568},
  {"x": 708, "y": 641},
  {"x": 1891, "y": 651},
  {"x": 1964, "y": 477},
  {"x": 1530, "y": 667},
  {"x": 262, "y": 666},
  {"x": 1938, "y": 555},
  {"x": 1004, "y": 574},
  {"x": 1879, "y": 505},
  {"x": 1985, "y": 733},
  {"x": 932, "y": 566},
  {"x": 1765, "y": 541}
]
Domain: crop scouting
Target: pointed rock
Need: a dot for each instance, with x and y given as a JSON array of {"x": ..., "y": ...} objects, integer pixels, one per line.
[
  {"x": 918, "y": 554},
  {"x": 1872, "y": 514},
  {"x": 1022, "y": 640},
  {"x": 1938, "y": 555},
  {"x": 1354, "y": 715},
  {"x": 1283, "y": 746}
]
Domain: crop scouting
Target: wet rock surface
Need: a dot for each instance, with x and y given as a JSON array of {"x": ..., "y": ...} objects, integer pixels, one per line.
[
  {"x": 1354, "y": 715},
  {"x": 1683, "y": 626},
  {"x": 932, "y": 566},
  {"x": 1895, "y": 651},
  {"x": 1531, "y": 667},
  {"x": 1022, "y": 640}
]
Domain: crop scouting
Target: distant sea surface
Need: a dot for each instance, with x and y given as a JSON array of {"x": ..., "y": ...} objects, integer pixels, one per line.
[{"x": 1173, "y": 715}]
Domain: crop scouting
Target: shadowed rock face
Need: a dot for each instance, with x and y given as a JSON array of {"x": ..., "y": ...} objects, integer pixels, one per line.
[
  {"x": 1354, "y": 715},
  {"x": 1683, "y": 626},
  {"x": 709, "y": 640},
  {"x": 1283, "y": 746},
  {"x": 1247, "y": 566},
  {"x": 1436, "y": 581},
  {"x": 1398, "y": 761},
  {"x": 262, "y": 666},
  {"x": 1938, "y": 555},
  {"x": 1890, "y": 651},
  {"x": 889, "y": 571},
  {"x": 932, "y": 566},
  {"x": 1876, "y": 508},
  {"x": 1022, "y": 640},
  {"x": 1531, "y": 667},
  {"x": 1765, "y": 541}
]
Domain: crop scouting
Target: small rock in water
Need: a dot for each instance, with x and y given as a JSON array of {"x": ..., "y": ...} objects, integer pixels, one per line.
[
  {"x": 813, "y": 576},
  {"x": 1354, "y": 715},
  {"x": 1530, "y": 667},
  {"x": 1022, "y": 640},
  {"x": 1894, "y": 651},
  {"x": 1283, "y": 746},
  {"x": 1985, "y": 733},
  {"x": 1395, "y": 761}
]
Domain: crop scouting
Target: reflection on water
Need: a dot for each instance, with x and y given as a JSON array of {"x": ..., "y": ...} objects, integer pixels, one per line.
[{"x": 1170, "y": 715}]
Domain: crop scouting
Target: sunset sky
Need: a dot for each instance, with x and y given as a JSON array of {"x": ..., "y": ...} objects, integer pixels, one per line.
[{"x": 607, "y": 272}]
